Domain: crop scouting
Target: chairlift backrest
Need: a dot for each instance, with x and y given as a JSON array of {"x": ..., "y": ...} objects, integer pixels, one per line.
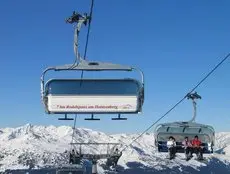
[
  {"x": 93, "y": 96},
  {"x": 181, "y": 130},
  {"x": 95, "y": 87}
]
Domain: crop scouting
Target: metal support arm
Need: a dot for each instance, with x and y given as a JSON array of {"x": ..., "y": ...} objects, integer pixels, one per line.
[
  {"x": 79, "y": 19},
  {"x": 193, "y": 97},
  {"x": 194, "y": 111}
]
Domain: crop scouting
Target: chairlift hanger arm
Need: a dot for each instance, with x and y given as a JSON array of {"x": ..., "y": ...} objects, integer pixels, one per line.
[
  {"x": 79, "y": 19},
  {"x": 81, "y": 64},
  {"x": 194, "y": 111},
  {"x": 193, "y": 97}
]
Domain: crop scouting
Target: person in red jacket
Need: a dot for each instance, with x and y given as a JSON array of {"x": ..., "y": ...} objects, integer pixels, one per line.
[{"x": 197, "y": 148}]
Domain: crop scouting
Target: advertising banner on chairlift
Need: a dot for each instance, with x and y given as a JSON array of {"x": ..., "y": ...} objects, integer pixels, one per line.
[{"x": 92, "y": 104}]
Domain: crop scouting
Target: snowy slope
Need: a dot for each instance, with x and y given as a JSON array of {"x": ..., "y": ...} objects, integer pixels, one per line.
[{"x": 39, "y": 146}]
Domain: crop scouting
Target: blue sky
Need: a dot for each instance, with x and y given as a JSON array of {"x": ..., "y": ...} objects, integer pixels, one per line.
[{"x": 174, "y": 43}]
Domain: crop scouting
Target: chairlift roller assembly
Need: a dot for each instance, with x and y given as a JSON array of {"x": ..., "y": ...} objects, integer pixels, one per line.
[
  {"x": 91, "y": 96},
  {"x": 179, "y": 130}
]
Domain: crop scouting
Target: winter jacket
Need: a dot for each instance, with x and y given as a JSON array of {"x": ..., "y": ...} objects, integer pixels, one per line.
[
  {"x": 196, "y": 143},
  {"x": 186, "y": 144},
  {"x": 171, "y": 143}
]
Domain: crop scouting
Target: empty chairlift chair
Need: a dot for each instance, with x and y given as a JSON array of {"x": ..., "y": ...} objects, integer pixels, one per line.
[
  {"x": 93, "y": 96},
  {"x": 179, "y": 130}
]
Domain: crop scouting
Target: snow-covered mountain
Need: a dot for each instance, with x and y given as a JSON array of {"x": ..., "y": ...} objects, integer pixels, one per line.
[{"x": 33, "y": 146}]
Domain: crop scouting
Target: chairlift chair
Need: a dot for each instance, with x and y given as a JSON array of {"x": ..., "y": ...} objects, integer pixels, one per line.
[
  {"x": 91, "y": 96},
  {"x": 180, "y": 130}
]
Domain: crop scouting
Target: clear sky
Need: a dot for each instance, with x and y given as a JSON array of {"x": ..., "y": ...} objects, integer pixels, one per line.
[{"x": 175, "y": 43}]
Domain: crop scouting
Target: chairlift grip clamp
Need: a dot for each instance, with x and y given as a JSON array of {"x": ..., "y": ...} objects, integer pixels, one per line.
[{"x": 76, "y": 18}]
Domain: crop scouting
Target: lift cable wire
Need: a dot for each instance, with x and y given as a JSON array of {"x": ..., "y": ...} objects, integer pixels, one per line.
[
  {"x": 86, "y": 46},
  {"x": 87, "y": 37},
  {"x": 193, "y": 89}
]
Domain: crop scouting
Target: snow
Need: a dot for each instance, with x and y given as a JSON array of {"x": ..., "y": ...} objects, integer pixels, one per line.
[{"x": 39, "y": 146}]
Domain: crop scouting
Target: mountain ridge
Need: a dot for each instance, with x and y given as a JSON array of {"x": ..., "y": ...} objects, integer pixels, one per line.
[{"x": 37, "y": 146}]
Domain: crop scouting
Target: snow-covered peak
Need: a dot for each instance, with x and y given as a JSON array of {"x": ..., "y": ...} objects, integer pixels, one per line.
[{"x": 37, "y": 146}]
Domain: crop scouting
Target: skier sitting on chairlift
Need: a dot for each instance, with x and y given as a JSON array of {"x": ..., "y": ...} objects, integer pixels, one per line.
[
  {"x": 186, "y": 144},
  {"x": 196, "y": 148},
  {"x": 171, "y": 144}
]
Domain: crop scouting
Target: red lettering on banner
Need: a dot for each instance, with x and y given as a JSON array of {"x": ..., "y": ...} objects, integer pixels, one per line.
[
  {"x": 92, "y": 107},
  {"x": 60, "y": 106}
]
